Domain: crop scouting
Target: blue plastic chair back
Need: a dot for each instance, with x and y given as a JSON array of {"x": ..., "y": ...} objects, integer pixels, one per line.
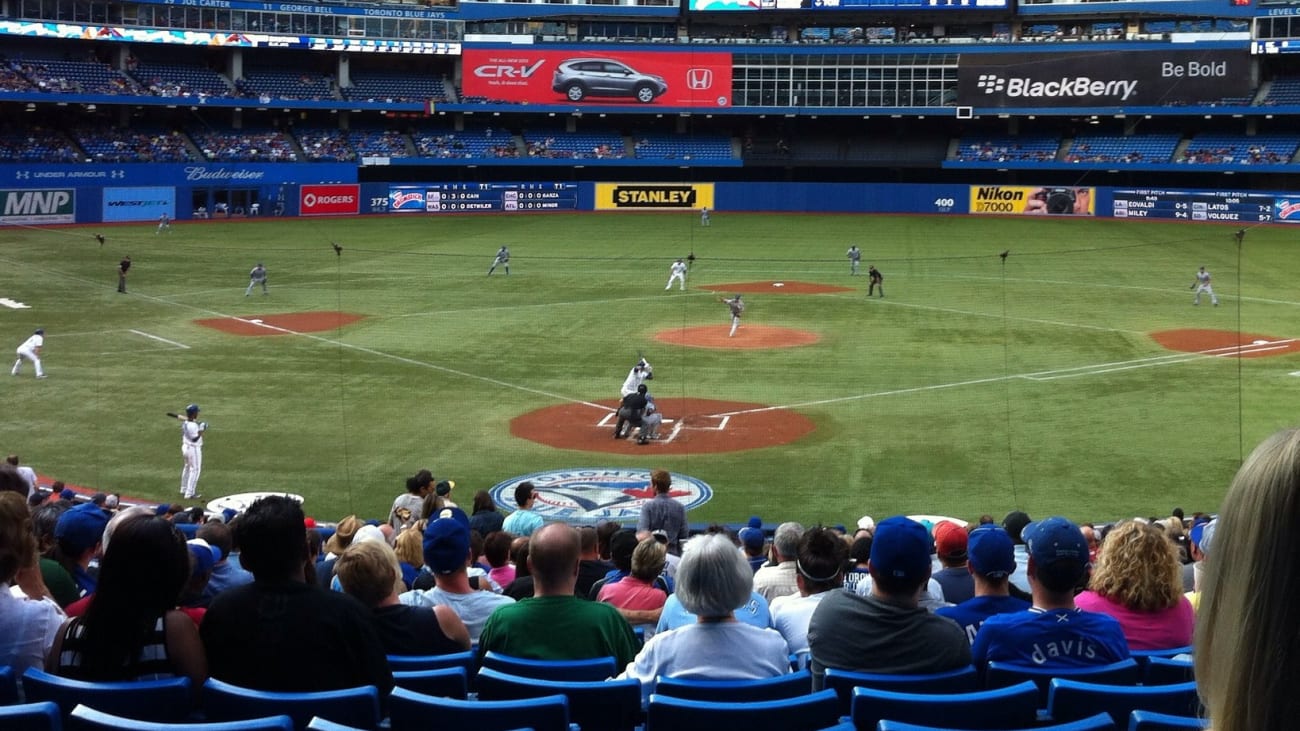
[
  {"x": 464, "y": 659},
  {"x": 145, "y": 700},
  {"x": 43, "y": 716},
  {"x": 408, "y": 711},
  {"x": 790, "y": 685},
  {"x": 1070, "y": 699},
  {"x": 1167, "y": 671},
  {"x": 1143, "y": 655},
  {"x": 1152, "y": 721},
  {"x": 320, "y": 724},
  {"x": 597, "y": 668},
  {"x": 1015, "y": 706},
  {"x": 597, "y": 705},
  {"x": 1002, "y": 674},
  {"x": 1099, "y": 722},
  {"x": 8, "y": 686},
  {"x": 447, "y": 682},
  {"x": 352, "y": 706},
  {"x": 961, "y": 680},
  {"x": 805, "y": 713},
  {"x": 91, "y": 720}
]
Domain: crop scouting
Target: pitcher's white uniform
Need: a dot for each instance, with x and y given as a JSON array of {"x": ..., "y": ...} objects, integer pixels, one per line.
[
  {"x": 678, "y": 273},
  {"x": 635, "y": 377},
  {"x": 1202, "y": 284},
  {"x": 191, "y": 452},
  {"x": 31, "y": 350}
]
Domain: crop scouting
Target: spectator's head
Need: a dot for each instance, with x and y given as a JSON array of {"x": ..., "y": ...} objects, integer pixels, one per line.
[
  {"x": 1200, "y": 536},
  {"x": 11, "y": 481},
  {"x": 203, "y": 558},
  {"x": 860, "y": 551},
  {"x": 447, "y": 542},
  {"x": 80, "y": 531},
  {"x": 621, "y": 548},
  {"x": 368, "y": 571},
  {"x": 713, "y": 579},
  {"x": 17, "y": 541},
  {"x": 344, "y": 532},
  {"x": 950, "y": 543},
  {"x": 588, "y": 538},
  {"x": 820, "y": 565},
  {"x": 786, "y": 541},
  {"x": 1014, "y": 524},
  {"x": 992, "y": 554},
  {"x": 661, "y": 480},
  {"x": 648, "y": 559},
  {"x": 216, "y": 534},
  {"x": 483, "y": 502},
  {"x": 496, "y": 548},
  {"x": 900, "y": 558},
  {"x": 432, "y": 505},
  {"x": 605, "y": 530},
  {"x": 44, "y": 518},
  {"x": 410, "y": 546},
  {"x": 1058, "y": 554},
  {"x": 444, "y": 488},
  {"x": 1246, "y": 640},
  {"x": 752, "y": 540},
  {"x": 1138, "y": 568},
  {"x": 525, "y": 493},
  {"x": 272, "y": 538},
  {"x": 553, "y": 559},
  {"x": 117, "y": 519},
  {"x": 519, "y": 555}
]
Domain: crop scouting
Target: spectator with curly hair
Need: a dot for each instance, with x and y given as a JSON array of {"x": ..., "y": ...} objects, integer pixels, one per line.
[{"x": 1138, "y": 581}]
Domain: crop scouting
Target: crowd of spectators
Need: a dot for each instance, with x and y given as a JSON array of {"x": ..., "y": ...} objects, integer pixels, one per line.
[{"x": 96, "y": 591}]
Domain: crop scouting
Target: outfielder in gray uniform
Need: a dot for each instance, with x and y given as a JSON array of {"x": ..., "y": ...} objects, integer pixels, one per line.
[
  {"x": 503, "y": 258},
  {"x": 855, "y": 258},
  {"x": 255, "y": 277}
]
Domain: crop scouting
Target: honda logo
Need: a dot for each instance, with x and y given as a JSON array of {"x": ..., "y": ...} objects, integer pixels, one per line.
[{"x": 699, "y": 79}]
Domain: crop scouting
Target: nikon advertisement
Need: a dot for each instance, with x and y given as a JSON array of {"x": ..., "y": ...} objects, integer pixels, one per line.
[
  {"x": 1031, "y": 200},
  {"x": 1120, "y": 79},
  {"x": 653, "y": 196}
]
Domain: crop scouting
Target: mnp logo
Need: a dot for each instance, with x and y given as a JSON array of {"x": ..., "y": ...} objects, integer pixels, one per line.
[
  {"x": 330, "y": 200},
  {"x": 590, "y": 494},
  {"x": 38, "y": 206}
]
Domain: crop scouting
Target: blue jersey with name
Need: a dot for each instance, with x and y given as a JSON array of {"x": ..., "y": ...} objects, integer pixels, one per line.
[
  {"x": 1052, "y": 638},
  {"x": 971, "y": 613}
]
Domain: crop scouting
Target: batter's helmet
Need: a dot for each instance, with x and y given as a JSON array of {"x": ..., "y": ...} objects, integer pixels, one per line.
[
  {"x": 192, "y": 409},
  {"x": 40, "y": 331}
]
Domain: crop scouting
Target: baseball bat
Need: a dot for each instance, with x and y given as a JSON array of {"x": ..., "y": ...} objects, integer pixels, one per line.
[{"x": 173, "y": 415}]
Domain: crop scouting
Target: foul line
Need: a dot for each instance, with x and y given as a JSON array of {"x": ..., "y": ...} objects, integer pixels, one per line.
[{"x": 160, "y": 339}]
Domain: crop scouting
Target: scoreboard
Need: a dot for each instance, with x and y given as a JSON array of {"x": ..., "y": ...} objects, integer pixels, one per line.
[
  {"x": 1186, "y": 205},
  {"x": 471, "y": 197}
]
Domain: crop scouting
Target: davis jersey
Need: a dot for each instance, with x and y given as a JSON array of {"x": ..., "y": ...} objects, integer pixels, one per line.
[{"x": 1055, "y": 638}]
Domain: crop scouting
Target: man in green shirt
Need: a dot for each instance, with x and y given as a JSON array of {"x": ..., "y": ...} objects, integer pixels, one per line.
[{"x": 554, "y": 624}]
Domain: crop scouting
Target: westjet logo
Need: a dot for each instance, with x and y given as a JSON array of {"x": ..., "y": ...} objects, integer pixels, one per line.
[{"x": 1065, "y": 87}]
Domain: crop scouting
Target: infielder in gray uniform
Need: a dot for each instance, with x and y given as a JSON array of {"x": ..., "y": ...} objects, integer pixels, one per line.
[
  {"x": 855, "y": 258},
  {"x": 255, "y": 277}
]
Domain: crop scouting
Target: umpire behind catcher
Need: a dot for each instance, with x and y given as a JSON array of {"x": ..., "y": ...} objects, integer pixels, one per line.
[{"x": 631, "y": 411}]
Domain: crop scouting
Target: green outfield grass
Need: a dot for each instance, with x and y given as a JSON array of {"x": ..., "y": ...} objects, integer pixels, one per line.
[{"x": 976, "y": 386}]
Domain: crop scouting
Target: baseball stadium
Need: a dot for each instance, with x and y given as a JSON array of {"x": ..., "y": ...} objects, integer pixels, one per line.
[{"x": 949, "y": 259}]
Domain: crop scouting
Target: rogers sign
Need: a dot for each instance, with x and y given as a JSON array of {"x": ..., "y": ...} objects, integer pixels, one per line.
[
  {"x": 587, "y": 78},
  {"x": 330, "y": 200}
]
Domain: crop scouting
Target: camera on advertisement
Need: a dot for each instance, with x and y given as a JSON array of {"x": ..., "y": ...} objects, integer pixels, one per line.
[{"x": 1058, "y": 201}]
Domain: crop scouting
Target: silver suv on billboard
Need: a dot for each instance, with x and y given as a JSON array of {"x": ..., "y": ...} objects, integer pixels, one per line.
[{"x": 579, "y": 78}]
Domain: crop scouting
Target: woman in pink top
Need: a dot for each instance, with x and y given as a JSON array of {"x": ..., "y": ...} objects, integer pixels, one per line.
[
  {"x": 637, "y": 591},
  {"x": 496, "y": 549},
  {"x": 1138, "y": 581}
]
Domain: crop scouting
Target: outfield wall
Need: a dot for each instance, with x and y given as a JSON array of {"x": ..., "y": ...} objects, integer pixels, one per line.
[{"x": 60, "y": 194}]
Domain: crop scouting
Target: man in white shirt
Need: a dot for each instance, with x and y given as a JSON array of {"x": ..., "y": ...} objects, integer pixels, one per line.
[
  {"x": 779, "y": 580},
  {"x": 27, "y": 473},
  {"x": 819, "y": 569},
  {"x": 31, "y": 350}
]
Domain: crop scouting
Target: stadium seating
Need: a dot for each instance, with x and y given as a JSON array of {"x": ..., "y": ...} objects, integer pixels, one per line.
[
  {"x": 598, "y": 668},
  {"x": 244, "y": 145},
  {"x": 1142, "y": 656},
  {"x": 599, "y": 705},
  {"x": 804, "y": 713},
  {"x": 1123, "y": 149},
  {"x": 1070, "y": 700},
  {"x": 1166, "y": 671},
  {"x": 167, "y": 700},
  {"x": 1283, "y": 90},
  {"x": 410, "y": 711},
  {"x": 278, "y": 83},
  {"x": 325, "y": 145},
  {"x": 378, "y": 143},
  {"x": 465, "y": 660},
  {"x": 352, "y": 706},
  {"x": 792, "y": 685},
  {"x": 682, "y": 147},
  {"x": 1015, "y": 706},
  {"x": 36, "y": 144},
  {"x": 138, "y": 144},
  {"x": 42, "y": 716},
  {"x": 962, "y": 680},
  {"x": 88, "y": 719},
  {"x": 1152, "y": 721},
  {"x": 66, "y": 76},
  {"x": 8, "y": 686},
  {"x": 1026, "y": 148},
  {"x": 577, "y": 145},
  {"x": 320, "y": 724},
  {"x": 1219, "y": 149},
  {"x": 1099, "y": 722},
  {"x": 395, "y": 88},
  {"x": 180, "y": 80},
  {"x": 1000, "y": 674},
  {"x": 446, "y": 682}
]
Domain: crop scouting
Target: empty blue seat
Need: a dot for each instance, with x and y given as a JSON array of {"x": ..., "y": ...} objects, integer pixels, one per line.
[
  {"x": 792, "y": 685},
  {"x": 1165, "y": 671},
  {"x": 319, "y": 724},
  {"x": 595, "y": 705},
  {"x": 409, "y": 711},
  {"x": 145, "y": 700},
  {"x": 1015, "y": 706},
  {"x": 1152, "y": 721},
  {"x": 1099, "y": 722},
  {"x": 1002, "y": 674},
  {"x": 962, "y": 680},
  {"x": 446, "y": 682},
  {"x": 1070, "y": 699},
  {"x": 805, "y": 713},
  {"x": 1143, "y": 655},
  {"x": 432, "y": 662},
  {"x": 43, "y": 716},
  {"x": 597, "y": 668},
  {"x": 352, "y": 706},
  {"x": 92, "y": 720}
]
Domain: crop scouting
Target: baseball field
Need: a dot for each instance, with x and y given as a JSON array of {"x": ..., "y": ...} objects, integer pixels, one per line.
[{"x": 1072, "y": 375}]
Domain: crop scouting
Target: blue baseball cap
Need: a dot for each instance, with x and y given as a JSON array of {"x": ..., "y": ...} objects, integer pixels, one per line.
[
  {"x": 205, "y": 555},
  {"x": 991, "y": 551},
  {"x": 446, "y": 541},
  {"x": 1203, "y": 534},
  {"x": 753, "y": 538},
  {"x": 901, "y": 548},
  {"x": 1054, "y": 539},
  {"x": 81, "y": 527}
]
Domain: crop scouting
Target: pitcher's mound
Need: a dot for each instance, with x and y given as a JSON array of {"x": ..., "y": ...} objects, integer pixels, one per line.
[
  {"x": 691, "y": 426},
  {"x": 747, "y": 337}
]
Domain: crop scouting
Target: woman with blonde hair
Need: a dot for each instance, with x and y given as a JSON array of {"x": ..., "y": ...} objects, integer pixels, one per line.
[
  {"x": 409, "y": 547},
  {"x": 1138, "y": 580},
  {"x": 1247, "y": 647}
]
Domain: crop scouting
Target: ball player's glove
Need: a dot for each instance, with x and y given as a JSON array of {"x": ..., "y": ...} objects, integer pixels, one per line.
[
  {"x": 1192, "y": 287},
  {"x": 203, "y": 426}
]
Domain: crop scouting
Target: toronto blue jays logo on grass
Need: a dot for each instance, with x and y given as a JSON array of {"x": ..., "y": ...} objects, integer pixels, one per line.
[{"x": 591, "y": 494}]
